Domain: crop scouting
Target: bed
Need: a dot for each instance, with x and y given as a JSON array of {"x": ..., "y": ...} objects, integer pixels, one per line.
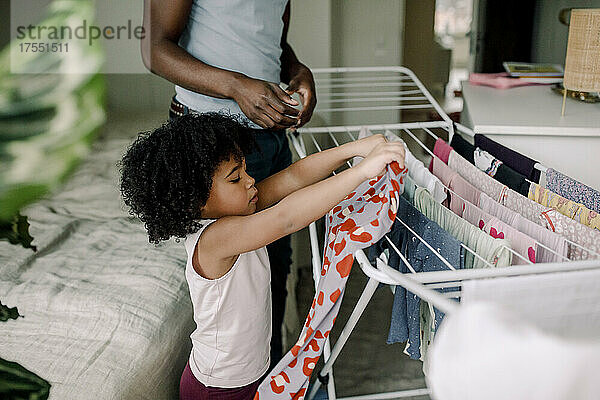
[{"x": 106, "y": 314}]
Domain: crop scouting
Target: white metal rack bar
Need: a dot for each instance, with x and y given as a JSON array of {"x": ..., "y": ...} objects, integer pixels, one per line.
[
  {"x": 372, "y": 99},
  {"x": 356, "y": 128},
  {"x": 378, "y": 108},
  {"x": 300, "y": 148},
  {"x": 368, "y": 84},
  {"x": 362, "y": 79},
  {"x": 368, "y": 94},
  {"x": 423, "y": 284},
  {"x": 373, "y": 78}
]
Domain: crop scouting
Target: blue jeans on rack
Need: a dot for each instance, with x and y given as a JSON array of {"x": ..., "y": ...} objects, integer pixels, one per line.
[
  {"x": 274, "y": 156},
  {"x": 405, "y": 324}
]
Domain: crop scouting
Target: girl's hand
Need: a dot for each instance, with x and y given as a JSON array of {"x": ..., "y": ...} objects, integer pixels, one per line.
[
  {"x": 365, "y": 145},
  {"x": 379, "y": 157}
]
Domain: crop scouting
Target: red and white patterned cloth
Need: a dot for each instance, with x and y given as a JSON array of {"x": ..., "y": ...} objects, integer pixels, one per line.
[{"x": 358, "y": 221}]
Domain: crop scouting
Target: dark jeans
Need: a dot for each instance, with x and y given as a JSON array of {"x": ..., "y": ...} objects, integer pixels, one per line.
[{"x": 274, "y": 156}]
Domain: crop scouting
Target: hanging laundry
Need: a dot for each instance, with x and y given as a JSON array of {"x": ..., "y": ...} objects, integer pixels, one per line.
[
  {"x": 537, "y": 232},
  {"x": 500, "y": 172},
  {"x": 463, "y": 147},
  {"x": 535, "y": 212},
  {"x": 405, "y": 323},
  {"x": 487, "y": 351},
  {"x": 562, "y": 303},
  {"x": 460, "y": 186},
  {"x": 478, "y": 178},
  {"x": 486, "y": 162},
  {"x": 570, "y": 229},
  {"x": 582, "y": 235},
  {"x": 517, "y": 161},
  {"x": 428, "y": 327},
  {"x": 358, "y": 221},
  {"x": 571, "y": 209},
  {"x": 442, "y": 150},
  {"x": 417, "y": 171},
  {"x": 571, "y": 189},
  {"x": 490, "y": 249},
  {"x": 409, "y": 189},
  {"x": 496, "y": 228}
]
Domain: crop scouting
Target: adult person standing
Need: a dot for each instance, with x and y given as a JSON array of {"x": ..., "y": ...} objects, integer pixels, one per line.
[{"x": 231, "y": 55}]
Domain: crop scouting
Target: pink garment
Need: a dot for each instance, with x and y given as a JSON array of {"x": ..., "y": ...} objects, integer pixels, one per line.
[
  {"x": 537, "y": 232},
  {"x": 549, "y": 219},
  {"x": 358, "y": 221},
  {"x": 457, "y": 184},
  {"x": 500, "y": 80},
  {"x": 519, "y": 242},
  {"x": 477, "y": 177},
  {"x": 442, "y": 150}
]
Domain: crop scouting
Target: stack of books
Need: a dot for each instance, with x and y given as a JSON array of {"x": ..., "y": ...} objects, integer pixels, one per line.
[{"x": 535, "y": 73}]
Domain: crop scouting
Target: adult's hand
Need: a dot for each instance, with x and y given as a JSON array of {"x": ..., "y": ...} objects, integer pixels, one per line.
[
  {"x": 303, "y": 83},
  {"x": 266, "y": 104}
]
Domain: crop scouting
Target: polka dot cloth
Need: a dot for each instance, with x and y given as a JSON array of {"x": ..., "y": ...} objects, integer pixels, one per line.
[{"x": 358, "y": 221}]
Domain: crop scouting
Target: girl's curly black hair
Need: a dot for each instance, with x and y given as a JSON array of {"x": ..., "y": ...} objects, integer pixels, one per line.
[{"x": 166, "y": 174}]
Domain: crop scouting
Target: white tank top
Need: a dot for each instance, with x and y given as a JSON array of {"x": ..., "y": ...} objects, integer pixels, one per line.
[
  {"x": 236, "y": 35},
  {"x": 230, "y": 346}
]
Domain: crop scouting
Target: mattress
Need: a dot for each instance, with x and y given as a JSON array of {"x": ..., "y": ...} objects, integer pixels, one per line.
[{"x": 106, "y": 314}]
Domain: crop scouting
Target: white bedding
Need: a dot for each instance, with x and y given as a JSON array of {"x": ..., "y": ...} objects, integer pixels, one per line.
[{"x": 107, "y": 315}]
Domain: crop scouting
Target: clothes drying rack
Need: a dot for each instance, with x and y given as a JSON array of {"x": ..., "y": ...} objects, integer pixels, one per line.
[{"x": 368, "y": 90}]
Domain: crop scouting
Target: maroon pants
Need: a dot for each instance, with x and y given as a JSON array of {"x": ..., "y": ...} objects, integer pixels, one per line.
[{"x": 191, "y": 389}]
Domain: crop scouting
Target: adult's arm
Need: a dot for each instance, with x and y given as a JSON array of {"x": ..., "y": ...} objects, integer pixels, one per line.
[
  {"x": 296, "y": 75},
  {"x": 265, "y": 103}
]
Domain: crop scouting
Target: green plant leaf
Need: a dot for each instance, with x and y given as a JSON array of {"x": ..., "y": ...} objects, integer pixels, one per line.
[
  {"x": 18, "y": 383},
  {"x": 7, "y": 313},
  {"x": 17, "y": 232}
]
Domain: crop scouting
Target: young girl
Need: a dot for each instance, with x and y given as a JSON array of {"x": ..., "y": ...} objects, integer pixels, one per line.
[{"x": 188, "y": 179}]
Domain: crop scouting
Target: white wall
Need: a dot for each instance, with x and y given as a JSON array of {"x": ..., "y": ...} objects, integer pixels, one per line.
[
  {"x": 367, "y": 33},
  {"x": 310, "y": 32}
]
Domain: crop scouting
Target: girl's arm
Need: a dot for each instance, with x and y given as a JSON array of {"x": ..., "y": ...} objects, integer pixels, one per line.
[
  {"x": 233, "y": 235},
  {"x": 311, "y": 169}
]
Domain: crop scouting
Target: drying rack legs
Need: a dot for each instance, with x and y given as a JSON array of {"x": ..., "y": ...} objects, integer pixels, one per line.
[
  {"x": 364, "y": 299},
  {"x": 359, "y": 308}
]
